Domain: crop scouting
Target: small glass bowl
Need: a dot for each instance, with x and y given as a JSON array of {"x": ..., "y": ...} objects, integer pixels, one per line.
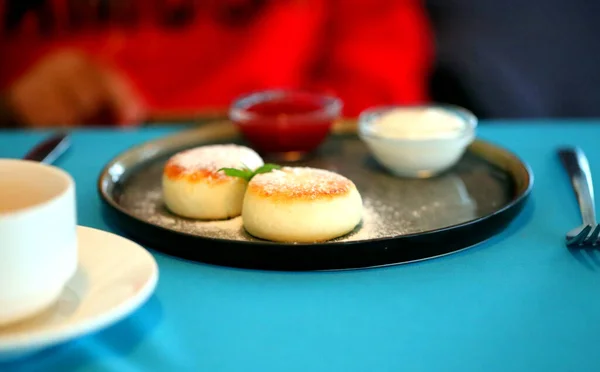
[
  {"x": 417, "y": 157},
  {"x": 285, "y": 124}
]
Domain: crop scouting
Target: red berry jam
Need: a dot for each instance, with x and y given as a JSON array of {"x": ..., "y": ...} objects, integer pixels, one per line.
[{"x": 283, "y": 122}]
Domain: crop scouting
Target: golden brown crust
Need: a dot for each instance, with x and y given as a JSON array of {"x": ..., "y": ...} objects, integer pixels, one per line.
[
  {"x": 176, "y": 172},
  {"x": 201, "y": 164},
  {"x": 299, "y": 183}
]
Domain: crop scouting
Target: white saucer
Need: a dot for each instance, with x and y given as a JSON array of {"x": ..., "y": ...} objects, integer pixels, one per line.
[{"x": 114, "y": 278}]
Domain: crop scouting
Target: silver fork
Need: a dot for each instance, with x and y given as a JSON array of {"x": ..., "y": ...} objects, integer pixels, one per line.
[{"x": 578, "y": 169}]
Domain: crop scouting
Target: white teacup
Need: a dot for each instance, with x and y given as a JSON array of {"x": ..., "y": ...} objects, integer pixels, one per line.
[{"x": 38, "y": 237}]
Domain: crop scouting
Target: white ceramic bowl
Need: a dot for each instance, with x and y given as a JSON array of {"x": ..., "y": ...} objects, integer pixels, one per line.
[{"x": 418, "y": 156}]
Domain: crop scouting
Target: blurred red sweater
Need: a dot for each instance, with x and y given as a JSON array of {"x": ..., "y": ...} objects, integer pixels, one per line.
[{"x": 189, "y": 56}]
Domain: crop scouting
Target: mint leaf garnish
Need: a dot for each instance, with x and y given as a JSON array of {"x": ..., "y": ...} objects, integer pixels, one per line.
[
  {"x": 246, "y": 173},
  {"x": 267, "y": 168},
  {"x": 241, "y": 173}
]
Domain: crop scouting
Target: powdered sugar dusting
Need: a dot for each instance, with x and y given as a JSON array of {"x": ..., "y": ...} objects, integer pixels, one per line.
[
  {"x": 152, "y": 209},
  {"x": 374, "y": 224},
  {"x": 391, "y": 206},
  {"x": 214, "y": 157},
  {"x": 300, "y": 181}
]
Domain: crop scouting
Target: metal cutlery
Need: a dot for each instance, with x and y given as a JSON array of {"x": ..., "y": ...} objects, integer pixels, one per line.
[
  {"x": 50, "y": 149},
  {"x": 578, "y": 169}
]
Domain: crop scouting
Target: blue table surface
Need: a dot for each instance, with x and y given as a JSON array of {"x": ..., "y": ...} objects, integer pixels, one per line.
[{"x": 518, "y": 302}]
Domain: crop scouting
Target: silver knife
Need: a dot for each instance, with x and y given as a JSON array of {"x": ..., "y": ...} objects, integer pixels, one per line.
[{"x": 50, "y": 149}]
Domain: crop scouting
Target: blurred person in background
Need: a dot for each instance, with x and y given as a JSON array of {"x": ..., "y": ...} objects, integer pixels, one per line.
[{"x": 123, "y": 62}]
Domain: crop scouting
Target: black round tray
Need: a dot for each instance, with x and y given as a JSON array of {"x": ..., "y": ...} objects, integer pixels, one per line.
[{"x": 405, "y": 219}]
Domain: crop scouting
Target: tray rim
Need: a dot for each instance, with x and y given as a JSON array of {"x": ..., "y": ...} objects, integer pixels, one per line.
[{"x": 341, "y": 128}]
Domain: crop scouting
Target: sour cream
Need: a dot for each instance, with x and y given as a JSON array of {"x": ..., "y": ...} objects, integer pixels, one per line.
[
  {"x": 418, "y": 123},
  {"x": 417, "y": 141}
]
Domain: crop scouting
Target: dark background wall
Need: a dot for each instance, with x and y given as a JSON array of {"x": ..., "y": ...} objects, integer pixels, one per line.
[{"x": 518, "y": 58}]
